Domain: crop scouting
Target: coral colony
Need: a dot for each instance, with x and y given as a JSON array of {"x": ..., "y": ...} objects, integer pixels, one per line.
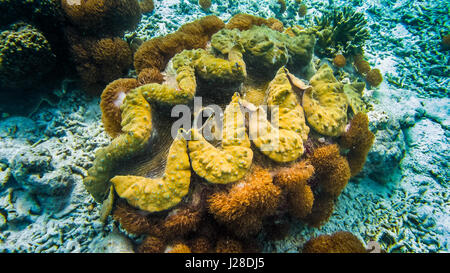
[{"x": 219, "y": 134}]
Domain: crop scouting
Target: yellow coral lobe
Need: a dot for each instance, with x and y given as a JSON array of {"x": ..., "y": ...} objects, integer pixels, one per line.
[
  {"x": 159, "y": 194},
  {"x": 325, "y": 104},
  {"x": 137, "y": 128},
  {"x": 232, "y": 161},
  {"x": 285, "y": 143}
]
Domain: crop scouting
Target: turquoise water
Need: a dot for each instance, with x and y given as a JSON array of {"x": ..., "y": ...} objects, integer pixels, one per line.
[{"x": 55, "y": 64}]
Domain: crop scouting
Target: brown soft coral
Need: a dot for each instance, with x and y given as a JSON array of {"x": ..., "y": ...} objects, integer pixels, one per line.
[
  {"x": 130, "y": 219},
  {"x": 245, "y": 205},
  {"x": 205, "y": 4},
  {"x": 157, "y": 52},
  {"x": 339, "y": 61},
  {"x": 147, "y": 6},
  {"x": 180, "y": 222},
  {"x": 244, "y": 21},
  {"x": 322, "y": 210},
  {"x": 99, "y": 61},
  {"x": 111, "y": 100},
  {"x": 200, "y": 245},
  {"x": 151, "y": 245},
  {"x": 332, "y": 169},
  {"x": 339, "y": 242},
  {"x": 362, "y": 66},
  {"x": 105, "y": 17},
  {"x": 374, "y": 77},
  {"x": 293, "y": 181},
  {"x": 150, "y": 75},
  {"x": 358, "y": 139},
  {"x": 228, "y": 245}
]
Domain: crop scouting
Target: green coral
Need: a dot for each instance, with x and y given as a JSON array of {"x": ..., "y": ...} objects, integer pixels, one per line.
[
  {"x": 26, "y": 56},
  {"x": 325, "y": 104},
  {"x": 340, "y": 31}
]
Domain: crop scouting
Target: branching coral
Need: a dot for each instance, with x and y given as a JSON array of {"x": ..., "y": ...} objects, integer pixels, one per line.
[
  {"x": 25, "y": 56},
  {"x": 157, "y": 52},
  {"x": 340, "y": 31},
  {"x": 331, "y": 169},
  {"x": 339, "y": 242},
  {"x": 109, "y": 17},
  {"x": 245, "y": 205},
  {"x": 111, "y": 100},
  {"x": 232, "y": 161},
  {"x": 326, "y": 104},
  {"x": 358, "y": 139},
  {"x": 285, "y": 143},
  {"x": 161, "y": 193}
]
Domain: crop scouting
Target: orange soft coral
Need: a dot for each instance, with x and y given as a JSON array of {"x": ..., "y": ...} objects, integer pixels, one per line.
[
  {"x": 157, "y": 52},
  {"x": 178, "y": 247},
  {"x": 339, "y": 242},
  {"x": 244, "y": 21},
  {"x": 332, "y": 169},
  {"x": 103, "y": 17},
  {"x": 358, "y": 139},
  {"x": 374, "y": 77},
  {"x": 180, "y": 222},
  {"x": 111, "y": 100},
  {"x": 339, "y": 61},
  {"x": 244, "y": 206},
  {"x": 151, "y": 245},
  {"x": 130, "y": 219},
  {"x": 293, "y": 181}
]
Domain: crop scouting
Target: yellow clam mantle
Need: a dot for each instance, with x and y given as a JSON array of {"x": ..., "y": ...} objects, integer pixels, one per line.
[
  {"x": 232, "y": 161},
  {"x": 159, "y": 194}
]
